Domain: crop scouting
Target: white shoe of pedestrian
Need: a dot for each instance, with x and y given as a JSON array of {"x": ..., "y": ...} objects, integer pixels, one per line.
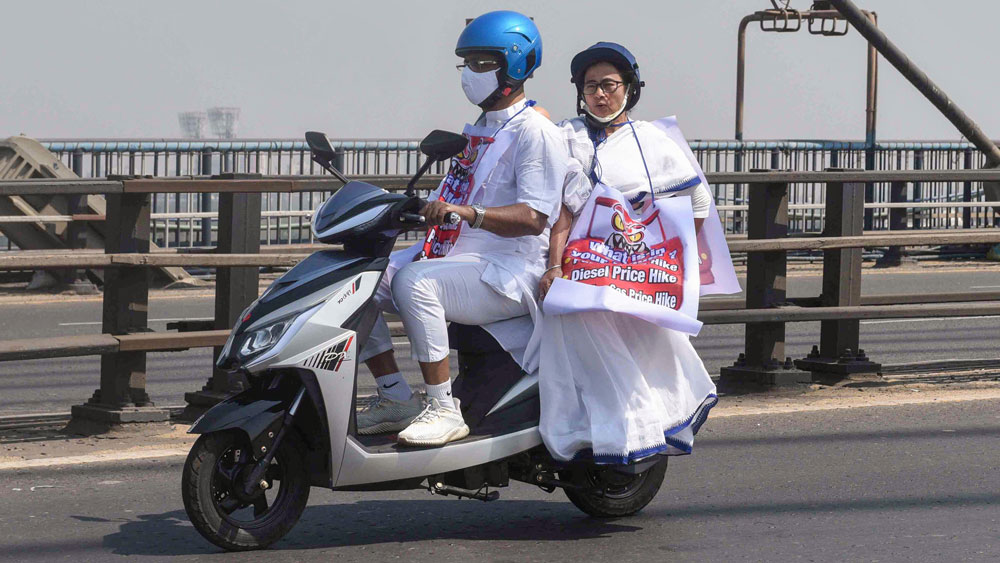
[
  {"x": 383, "y": 414},
  {"x": 435, "y": 426}
]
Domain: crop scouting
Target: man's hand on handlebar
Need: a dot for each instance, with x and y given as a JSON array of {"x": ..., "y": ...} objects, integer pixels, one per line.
[{"x": 435, "y": 212}]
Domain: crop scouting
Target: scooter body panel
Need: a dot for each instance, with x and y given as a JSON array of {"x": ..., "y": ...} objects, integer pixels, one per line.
[
  {"x": 361, "y": 466},
  {"x": 330, "y": 299},
  {"x": 324, "y": 347},
  {"x": 246, "y": 411}
]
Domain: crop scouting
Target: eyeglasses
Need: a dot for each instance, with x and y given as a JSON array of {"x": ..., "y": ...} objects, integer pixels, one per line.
[
  {"x": 608, "y": 86},
  {"x": 479, "y": 65}
]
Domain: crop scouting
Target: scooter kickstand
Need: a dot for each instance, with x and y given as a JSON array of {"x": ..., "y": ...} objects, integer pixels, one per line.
[{"x": 448, "y": 490}]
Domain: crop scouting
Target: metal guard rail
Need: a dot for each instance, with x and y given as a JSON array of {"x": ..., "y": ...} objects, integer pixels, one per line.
[
  {"x": 125, "y": 340},
  {"x": 293, "y": 184}
]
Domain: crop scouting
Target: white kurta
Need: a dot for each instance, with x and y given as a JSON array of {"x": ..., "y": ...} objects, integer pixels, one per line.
[
  {"x": 530, "y": 171},
  {"x": 615, "y": 388}
]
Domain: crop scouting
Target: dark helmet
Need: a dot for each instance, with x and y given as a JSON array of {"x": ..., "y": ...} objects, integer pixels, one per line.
[
  {"x": 615, "y": 54},
  {"x": 511, "y": 35}
]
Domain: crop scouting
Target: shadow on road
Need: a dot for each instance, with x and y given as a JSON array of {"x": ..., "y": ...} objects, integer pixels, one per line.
[{"x": 380, "y": 522}]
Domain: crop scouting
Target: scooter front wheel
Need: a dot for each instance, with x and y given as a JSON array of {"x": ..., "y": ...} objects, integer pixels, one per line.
[
  {"x": 606, "y": 493},
  {"x": 212, "y": 487}
]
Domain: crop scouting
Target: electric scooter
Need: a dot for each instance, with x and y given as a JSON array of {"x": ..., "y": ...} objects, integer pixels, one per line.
[{"x": 247, "y": 478}]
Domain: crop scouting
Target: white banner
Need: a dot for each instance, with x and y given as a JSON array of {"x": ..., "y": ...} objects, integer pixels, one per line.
[
  {"x": 644, "y": 266},
  {"x": 715, "y": 263}
]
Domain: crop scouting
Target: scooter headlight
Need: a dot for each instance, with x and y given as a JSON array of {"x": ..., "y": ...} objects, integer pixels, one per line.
[{"x": 264, "y": 338}]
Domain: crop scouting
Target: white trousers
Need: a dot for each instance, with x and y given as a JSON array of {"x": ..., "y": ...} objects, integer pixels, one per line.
[{"x": 428, "y": 294}]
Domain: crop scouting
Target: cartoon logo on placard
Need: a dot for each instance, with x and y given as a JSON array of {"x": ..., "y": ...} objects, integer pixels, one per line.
[{"x": 628, "y": 233}]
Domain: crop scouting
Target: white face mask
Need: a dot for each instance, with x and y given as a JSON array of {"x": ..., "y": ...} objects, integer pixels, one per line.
[
  {"x": 478, "y": 85},
  {"x": 609, "y": 118}
]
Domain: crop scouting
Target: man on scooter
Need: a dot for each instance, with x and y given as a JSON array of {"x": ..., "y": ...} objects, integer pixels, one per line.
[{"x": 491, "y": 272}]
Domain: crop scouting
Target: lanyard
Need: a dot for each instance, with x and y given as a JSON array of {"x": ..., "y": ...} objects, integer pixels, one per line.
[
  {"x": 489, "y": 140},
  {"x": 598, "y": 137},
  {"x": 527, "y": 104}
]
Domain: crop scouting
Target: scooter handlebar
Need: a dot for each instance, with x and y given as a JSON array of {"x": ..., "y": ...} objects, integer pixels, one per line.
[
  {"x": 450, "y": 218},
  {"x": 412, "y": 218}
]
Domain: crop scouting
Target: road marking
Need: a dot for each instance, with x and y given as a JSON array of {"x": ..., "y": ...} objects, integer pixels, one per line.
[
  {"x": 92, "y": 458},
  {"x": 88, "y": 323},
  {"x": 926, "y": 320},
  {"x": 984, "y": 286}
]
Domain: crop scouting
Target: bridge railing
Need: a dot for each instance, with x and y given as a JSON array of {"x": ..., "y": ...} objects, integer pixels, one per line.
[
  {"x": 127, "y": 259},
  {"x": 186, "y": 220}
]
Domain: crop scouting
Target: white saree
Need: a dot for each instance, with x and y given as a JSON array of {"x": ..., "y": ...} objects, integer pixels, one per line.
[{"x": 614, "y": 386}]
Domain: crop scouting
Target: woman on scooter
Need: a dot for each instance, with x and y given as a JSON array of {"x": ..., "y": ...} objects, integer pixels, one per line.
[{"x": 614, "y": 387}]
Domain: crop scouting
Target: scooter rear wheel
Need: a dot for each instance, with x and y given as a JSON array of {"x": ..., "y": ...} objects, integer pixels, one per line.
[
  {"x": 606, "y": 493},
  {"x": 211, "y": 487}
]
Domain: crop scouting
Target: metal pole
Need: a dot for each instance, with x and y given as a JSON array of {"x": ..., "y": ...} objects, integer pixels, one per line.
[
  {"x": 918, "y": 187},
  {"x": 235, "y": 288},
  {"x": 894, "y": 255},
  {"x": 763, "y": 361},
  {"x": 76, "y": 236},
  {"x": 967, "y": 192},
  {"x": 921, "y": 81},
  {"x": 122, "y": 395},
  {"x": 206, "y": 199},
  {"x": 871, "y": 106},
  {"x": 741, "y": 56}
]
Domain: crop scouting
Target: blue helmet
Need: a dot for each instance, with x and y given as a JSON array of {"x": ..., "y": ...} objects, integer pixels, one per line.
[{"x": 510, "y": 34}]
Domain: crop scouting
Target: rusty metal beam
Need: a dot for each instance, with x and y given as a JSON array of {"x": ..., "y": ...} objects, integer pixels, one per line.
[
  {"x": 802, "y": 314},
  {"x": 918, "y": 78},
  {"x": 394, "y": 183},
  {"x": 88, "y": 260},
  {"x": 66, "y": 346},
  {"x": 965, "y": 125},
  {"x": 57, "y": 347},
  {"x": 160, "y": 342},
  {"x": 51, "y": 186},
  {"x": 736, "y": 304},
  {"x": 818, "y": 177},
  {"x": 830, "y": 243},
  {"x": 283, "y": 184}
]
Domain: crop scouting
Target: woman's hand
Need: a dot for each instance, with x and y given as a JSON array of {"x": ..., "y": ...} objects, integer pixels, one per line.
[{"x": 546, "y": 282}]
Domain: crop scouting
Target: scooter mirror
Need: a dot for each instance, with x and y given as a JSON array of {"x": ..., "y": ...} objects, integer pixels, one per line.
[
  {"x": 323, "y": 153},
  {"x": 319, "y": 144},
  {"x": 442, "y": 145}
]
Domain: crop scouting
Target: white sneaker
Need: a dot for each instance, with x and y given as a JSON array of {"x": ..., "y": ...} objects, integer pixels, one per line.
[
  {"x": 383, "y": 414},
  {"x": 435, "y": 426}
]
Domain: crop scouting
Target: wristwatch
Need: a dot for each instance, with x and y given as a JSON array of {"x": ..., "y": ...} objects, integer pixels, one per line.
[{"x": 480, "y": 215}]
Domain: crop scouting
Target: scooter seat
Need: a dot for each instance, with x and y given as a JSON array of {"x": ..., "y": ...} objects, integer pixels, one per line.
[{"x": 471, "y": 339}]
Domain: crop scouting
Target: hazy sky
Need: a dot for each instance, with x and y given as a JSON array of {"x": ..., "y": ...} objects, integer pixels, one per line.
[{"x": 385, "y": 69}]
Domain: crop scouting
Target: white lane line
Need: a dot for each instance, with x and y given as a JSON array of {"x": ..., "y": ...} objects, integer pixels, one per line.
[
  {"x": 88, "y": 323},
  {"x": 984, "y": 286},
  {"x": 92, "y": 458},
  {"x": 926, "y": 320}
]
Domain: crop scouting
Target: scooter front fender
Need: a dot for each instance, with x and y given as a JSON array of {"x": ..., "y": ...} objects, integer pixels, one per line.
[{"x": 248, "y": 413}]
